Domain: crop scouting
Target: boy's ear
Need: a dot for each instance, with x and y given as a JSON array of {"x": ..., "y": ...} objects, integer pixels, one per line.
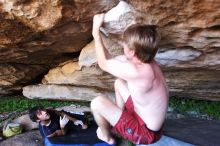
[{"x": 132, "y": 52}]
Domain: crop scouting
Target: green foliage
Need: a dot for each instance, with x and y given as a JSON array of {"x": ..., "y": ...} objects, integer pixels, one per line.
[
  {"x": 184, "y": 105},
  {"x": 130, "y": 143},
  {"x": 20, "y": 103}
]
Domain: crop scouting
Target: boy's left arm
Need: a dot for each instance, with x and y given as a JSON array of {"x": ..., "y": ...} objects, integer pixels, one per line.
[
  {"x": 74, "y": 120},
  {"x": 101, "y": 52},
  {"x": 78, "y": 122},
  {"x": 114, "y": 66}
]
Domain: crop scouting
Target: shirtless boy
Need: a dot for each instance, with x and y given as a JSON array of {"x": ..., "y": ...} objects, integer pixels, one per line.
[{"x": 141, "y": 92}]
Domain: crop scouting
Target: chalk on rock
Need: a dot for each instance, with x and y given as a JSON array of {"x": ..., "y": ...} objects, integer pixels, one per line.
[
  {"x": 115, "y": 20},
  {"x": 116, "y": 12}
]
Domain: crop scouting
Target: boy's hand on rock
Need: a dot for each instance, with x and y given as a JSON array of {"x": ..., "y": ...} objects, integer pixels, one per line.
[{"x": 97, "y": 22}]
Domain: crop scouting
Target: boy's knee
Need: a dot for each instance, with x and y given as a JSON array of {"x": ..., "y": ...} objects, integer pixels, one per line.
[
  {"x": 118, "y": 82},
  {"x": 96, "y": 103}
]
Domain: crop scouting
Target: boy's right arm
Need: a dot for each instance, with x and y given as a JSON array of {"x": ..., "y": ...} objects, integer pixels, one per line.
[
  {"x": 78, "y": 122},
  {"x": 58, "y": 133},
  {"x": 114, "y": 66},
  {"x": 74, "y": 120},
  {"x": 101, "y": 52},
  {"x": 44, "y": 133},
  {"x": 117, "y": 67}
]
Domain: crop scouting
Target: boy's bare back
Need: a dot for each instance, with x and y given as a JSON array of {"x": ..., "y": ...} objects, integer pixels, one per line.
[{"x": 147, "y": 87}]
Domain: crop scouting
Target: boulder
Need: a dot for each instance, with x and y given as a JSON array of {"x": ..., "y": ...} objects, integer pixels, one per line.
[
  {"x": 188, "y": 57},
  {"x": 62, "y": 92},
  {"x": 15, "y": 76},
  {"x": 48, "y": 33},
  {"x": 26, "y": 123},
  {"x": 70, "y": 73},
  {"x": 189, "y": 46},
  {"x": 43, "y": 34}
]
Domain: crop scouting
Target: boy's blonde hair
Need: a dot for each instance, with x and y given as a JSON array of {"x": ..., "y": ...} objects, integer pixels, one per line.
[{"x": 143, "y": 39}]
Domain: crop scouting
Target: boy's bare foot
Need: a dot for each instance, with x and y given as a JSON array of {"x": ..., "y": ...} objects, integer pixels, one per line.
[{"x": 100, "y": 135}]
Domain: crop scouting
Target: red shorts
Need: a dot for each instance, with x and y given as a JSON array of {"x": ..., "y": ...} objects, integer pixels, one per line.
[{"x": 130, "y": 126}]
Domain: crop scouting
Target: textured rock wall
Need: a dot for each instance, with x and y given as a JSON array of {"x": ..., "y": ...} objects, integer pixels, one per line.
[
  {"x": 45, "y": 33},
  {"x": 42, "y": 33}
]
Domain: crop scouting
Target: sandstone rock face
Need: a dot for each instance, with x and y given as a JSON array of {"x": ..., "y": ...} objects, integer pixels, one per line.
[
  {"x": 189, "y": 48},
  {"x": 66, "y": 93},
  {"x": 185, "y": 23},
  {"x": 26, "y": 123},
  {"x": 42, "y": 33},
  {"x": 14, "y": 76},
  {"x": 71, "y": 74}
]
